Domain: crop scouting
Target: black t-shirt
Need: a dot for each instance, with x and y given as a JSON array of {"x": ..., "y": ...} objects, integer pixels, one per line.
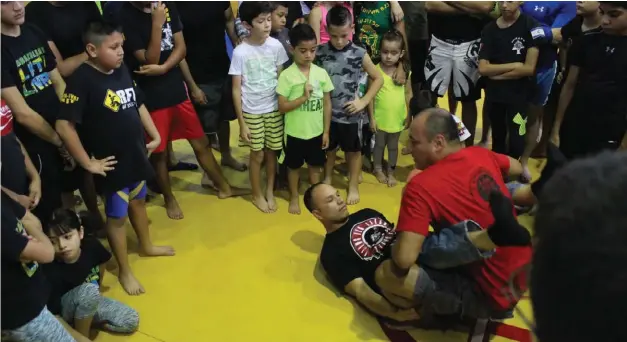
[
  {"x": 456, "y": 28},
  {"x": 105, "y": 111},
  {"x": 572, "y": 31},
  {"x": 65, "y": 277},
  {"x": 357, "y": 248},
  {"x": 508, "y": 45},
  {"x": 24, "y": 287},
  {"x": 64, "y": 24},
  {"x": 203, "y": 28},
  {"x": 26, "y": 64},
  {"x": 161, "y": 91},
  {"x": 13, "y": 171},
  {"x": 602, "y": 82}
]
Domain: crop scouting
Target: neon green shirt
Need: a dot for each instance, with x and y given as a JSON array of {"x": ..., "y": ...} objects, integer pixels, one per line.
[
  {"x": 307, "y": 121},
  {"x": 390, "y": 109}
]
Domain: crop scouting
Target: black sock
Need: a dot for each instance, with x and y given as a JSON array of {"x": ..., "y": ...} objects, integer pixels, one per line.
[
  {"x": 554, "y": 161},
  {"x": 506, "y": 231}
]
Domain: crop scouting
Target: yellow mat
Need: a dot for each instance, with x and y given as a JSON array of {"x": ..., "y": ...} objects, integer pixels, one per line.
[{"x": 241, "y": 275}]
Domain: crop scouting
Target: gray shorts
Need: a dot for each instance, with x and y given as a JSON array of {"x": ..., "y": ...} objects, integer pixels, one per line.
[
  {"x": 448, "y": 292},
  {"x": 219, "y": 105}
]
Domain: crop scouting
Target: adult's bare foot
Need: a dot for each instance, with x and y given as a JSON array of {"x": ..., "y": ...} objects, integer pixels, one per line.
[
  {"x": 232, "y": 192},
  {"x": 391, "y": 180},
  {"x": 261, "y": 204},
  {"x": 130, "y": 284},
  {"x": 158, "y": 251},
  {"x": 294, "y": 207},
  {"x": 353, "y": 196},
  {"x": 207, "y": 183},
  {"x": 173, "y": 210},
  {"x": 272, "y": 206},
  {"x": 380, "y": 176},
  {"x": 233, "y": 164}
]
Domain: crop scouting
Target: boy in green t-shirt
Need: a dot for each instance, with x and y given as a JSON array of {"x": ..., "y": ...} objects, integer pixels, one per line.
[{"x": 305, "y": 97}]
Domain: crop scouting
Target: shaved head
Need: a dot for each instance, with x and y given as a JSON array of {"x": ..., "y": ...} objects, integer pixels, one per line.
[
  {"x": 436, "y": 121},
  {"x": 433, "y": 135}
]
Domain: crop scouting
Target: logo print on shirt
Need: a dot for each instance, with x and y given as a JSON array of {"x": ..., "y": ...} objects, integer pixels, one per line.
[
  {"x": 609, "y": 50},
  {"x": 6, "y": 121},
  {"x": 539, "y": 9},
  {"x": 518, "y": 45},
  {"x": 120, "y": 99},
  {"x": 483, "y": 184},
  {"x": 167, "y": 43},
  {"x": 31, "y": 70},
  {"x": 370, "y": 237},
  {"x": 68, "y": 98}
]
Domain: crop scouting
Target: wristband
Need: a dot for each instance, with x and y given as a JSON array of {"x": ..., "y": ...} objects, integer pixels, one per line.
[{"x": 542, "y": 33}]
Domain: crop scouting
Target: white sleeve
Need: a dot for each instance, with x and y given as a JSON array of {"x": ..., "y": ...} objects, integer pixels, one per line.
[
  {"x": 463, "y": 132},
  {"x": 281, "y": 54},
  {"x": 236, "y": 62}
]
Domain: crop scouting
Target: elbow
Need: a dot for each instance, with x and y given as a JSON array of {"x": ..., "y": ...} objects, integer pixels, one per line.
[
  {"x": 48, "y": 255},
  {"x": 283, "y": 108},
  {"x": 483, "y": 70},
  {"x": 404, "y": 260}
]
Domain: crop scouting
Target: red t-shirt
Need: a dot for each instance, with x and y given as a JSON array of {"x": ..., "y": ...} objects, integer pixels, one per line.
[
  {"x": 6, "y": 119},
  {"x": 457, "y": 188}
]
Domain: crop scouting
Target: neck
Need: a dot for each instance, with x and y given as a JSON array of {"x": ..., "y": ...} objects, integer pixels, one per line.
[
  {"x": 592, "y": 21},
  {"x": 98, "y": 67},
  {"x": 452, "y": 148},
  {"x": 10, "y": 30},
  {"x": 333, "y": 226},
  {"x": 388, "y": 67},
  {"x": 513, "y": 17},
  {"x": 304, "y": 67},
  {"x": 256, "y": 40}
]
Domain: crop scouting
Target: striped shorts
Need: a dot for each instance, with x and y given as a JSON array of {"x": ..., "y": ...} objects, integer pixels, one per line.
[{"x": 266, "y": 131}]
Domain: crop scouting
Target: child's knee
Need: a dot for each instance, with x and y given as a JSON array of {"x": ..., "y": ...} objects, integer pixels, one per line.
[
  {"x": 131, "y": 321},
  {"x": 88, "y": 298}
]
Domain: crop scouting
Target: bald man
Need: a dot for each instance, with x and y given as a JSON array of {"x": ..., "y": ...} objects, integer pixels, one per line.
[{"x": 455, "y": 185}]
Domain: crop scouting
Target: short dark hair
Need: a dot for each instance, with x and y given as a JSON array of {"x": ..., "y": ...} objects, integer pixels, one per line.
[
  {"x": 308, "y": 196},
  {"x": 578, "y": 274},
  {"x": 276, "y": 4},
  {"x": 97, "y": 31},
  {"x": 339, "y": 16},
  {"x": 622, "y": 4},
  {"x": 66, "y": 220},
  {"x": 439, "y": 121},
  {"x": 301, "y": 33},
  {"x": 249, "y": 10}
]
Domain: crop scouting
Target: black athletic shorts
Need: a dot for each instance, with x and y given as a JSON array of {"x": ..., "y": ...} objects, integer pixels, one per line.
[
  {"x": 299, "y": 151},
  {"x": 348, "y": 137},
  {"x": 219, "y": 105}
]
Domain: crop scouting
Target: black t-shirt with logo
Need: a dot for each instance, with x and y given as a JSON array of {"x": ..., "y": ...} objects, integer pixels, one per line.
[
  {"x": 357, "y": 248},
  {"x": 601, "y": 89},
  {"x": 457, "y": 28},
  {"x": 64, "y": 24},
  {"x": 204, "y": 23},
  {"x": 104, "y": 109},
  {"x": 508, "y": 45},
  {"x": 26, "y": 64},
  {"x": 162, "y": 91},
  {"x": 24, "y": 287},
  {"x": 64, "y": 277}
]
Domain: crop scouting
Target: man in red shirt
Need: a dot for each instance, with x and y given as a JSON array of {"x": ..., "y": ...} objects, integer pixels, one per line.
[{"x": 455, "y": 185}]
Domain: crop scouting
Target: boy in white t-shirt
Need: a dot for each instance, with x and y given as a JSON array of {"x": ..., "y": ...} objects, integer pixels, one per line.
[{"x": 255, "y": 68}]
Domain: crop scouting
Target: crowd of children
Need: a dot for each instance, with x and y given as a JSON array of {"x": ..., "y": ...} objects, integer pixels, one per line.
[{"x": 101, "y": 115}]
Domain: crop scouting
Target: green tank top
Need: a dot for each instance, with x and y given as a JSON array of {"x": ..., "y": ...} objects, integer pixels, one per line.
[
  {"x": 374, "y": 20},
  {"x": 390, "y": 107}
]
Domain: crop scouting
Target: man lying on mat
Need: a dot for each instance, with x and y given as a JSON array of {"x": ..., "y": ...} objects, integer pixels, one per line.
[{"x": 356, "y": 248}]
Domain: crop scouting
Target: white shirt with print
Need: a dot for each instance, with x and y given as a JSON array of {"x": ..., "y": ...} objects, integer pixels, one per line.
[{"x": 258, "y": 65}]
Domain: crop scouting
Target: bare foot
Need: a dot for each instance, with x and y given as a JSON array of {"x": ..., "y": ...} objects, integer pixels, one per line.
[
  {"x": 406, "y": 150},
  {"x": 232, "y": 192},
  {"x": 353, "y": 197},
  {"x": 271, "y": 202},
  {"x": 207, "y": 183},
  {"x": 261, "y": 204},
  {"x": 391, "y": 180},
  {"x": 233, "y": 164},
  {"x": 294, "y": 207},
  {"x": 360, "y": 179},
  {"x": 380, "y": 176},
  {"x": 327, "y": 180},
  {"x": 173, "y": 210},
  {"x": 130, "y": 284},
  {"x": 158, "y": 251}
]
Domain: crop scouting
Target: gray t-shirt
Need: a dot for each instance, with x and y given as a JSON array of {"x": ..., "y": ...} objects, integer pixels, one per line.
[{"x": 345, "y": 67}]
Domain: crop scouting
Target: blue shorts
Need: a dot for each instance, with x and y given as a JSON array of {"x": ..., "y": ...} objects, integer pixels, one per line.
[
  {"x": 116, "y": 204},
  {"x": 544, "y": 83}
]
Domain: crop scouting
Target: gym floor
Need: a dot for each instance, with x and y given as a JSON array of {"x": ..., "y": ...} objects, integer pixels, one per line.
[{"x": 240, "y": 275}]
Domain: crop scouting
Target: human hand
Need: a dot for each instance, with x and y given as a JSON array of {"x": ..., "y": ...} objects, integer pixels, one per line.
[
  {"x": 308, "y": 90},
  {"x": 373, "y": 126},
  {"x": 407, "y": 122},
  {"x": 153, "y": 144},
  {"x": 405, "y": 315},
  {"x": 34, "y": 193},
  {"x": 555, "y": 139},
  {"x": 151, "y": 70},
  {"x": 158, "y": 14},
  {"x": 325, "y": 141},
  {"x": 396, "y": 11},
  {"x": 199, "y": 96},
  {"x": 244, "y": 133},
  {"x": 24, "y": 201},
  {"x": 101, "y": 166},
  {"x": 355, "y": 106}
]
